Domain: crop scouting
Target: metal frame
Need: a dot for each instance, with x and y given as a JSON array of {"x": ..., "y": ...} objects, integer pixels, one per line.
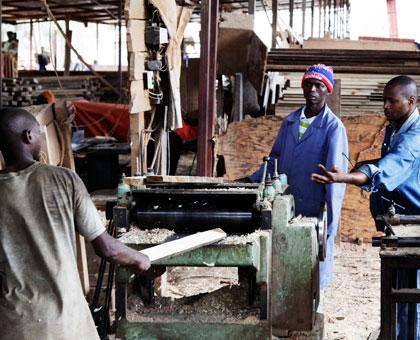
[{"x": 391, "y": 261}]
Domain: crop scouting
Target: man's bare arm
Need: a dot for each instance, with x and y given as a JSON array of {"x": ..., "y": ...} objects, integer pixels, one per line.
[
  {"x": 335, "y": 176},
  {"x": 113, "y": 250}
]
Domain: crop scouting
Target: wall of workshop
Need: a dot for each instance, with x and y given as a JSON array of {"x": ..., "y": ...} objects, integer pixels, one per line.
[{"x": 246, "y": 142}]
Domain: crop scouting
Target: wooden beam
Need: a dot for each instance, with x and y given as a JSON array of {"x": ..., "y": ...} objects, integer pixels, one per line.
[{"x": 183, "y": 245}]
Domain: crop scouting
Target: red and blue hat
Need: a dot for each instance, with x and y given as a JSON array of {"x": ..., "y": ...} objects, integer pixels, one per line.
[{"x": 322, "y": 73}]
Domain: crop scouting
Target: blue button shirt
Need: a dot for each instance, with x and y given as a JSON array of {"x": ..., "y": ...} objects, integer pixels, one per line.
[
  {"x": 324, "y": 142},
  {"x": 398, "y": 170}
]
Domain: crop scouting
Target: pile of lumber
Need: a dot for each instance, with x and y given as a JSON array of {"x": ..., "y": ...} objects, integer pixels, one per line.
[
  {"x": 346, "y": 61},
  {"x": 88, "y": 87},
  {"x": 19, "y": 92},
  {"x": 360, "y": 93}
]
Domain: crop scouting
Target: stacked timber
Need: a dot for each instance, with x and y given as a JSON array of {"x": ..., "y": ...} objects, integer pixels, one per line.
[
  {"x": 346, "y": 61},
  {"x": 19, "y": 92},
  {"x": 66, "y": 87},
  {"x": 360, "y": 93}
]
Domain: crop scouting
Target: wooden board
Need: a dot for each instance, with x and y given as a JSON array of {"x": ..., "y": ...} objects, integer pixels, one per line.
[
  {"x": 183, "y": 245},
  {"x": 184, "y": 179}
]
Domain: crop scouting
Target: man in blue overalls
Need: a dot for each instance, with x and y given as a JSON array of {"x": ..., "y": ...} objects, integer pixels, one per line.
[
  {"x": 307, "y": 137},
  {"x": 396, "y": 175}
]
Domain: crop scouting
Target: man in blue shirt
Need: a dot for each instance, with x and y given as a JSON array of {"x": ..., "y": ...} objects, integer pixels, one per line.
[
  {"x": 396, "y": 175},
  {"x": 307, "y": 137}
]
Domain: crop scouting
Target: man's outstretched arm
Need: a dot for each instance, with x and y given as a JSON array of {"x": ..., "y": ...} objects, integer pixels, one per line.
[
  {"x": 113, "y": 250},
  {"x": 335, "y": 176}
]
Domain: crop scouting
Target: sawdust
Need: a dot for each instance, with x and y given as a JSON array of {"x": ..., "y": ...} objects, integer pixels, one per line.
[
  {"x": 160, "y": 235},
  {"x": 226, "y": 304},
  {"x": 150, "y": 236},
  {"x": 351, "y": 304}
]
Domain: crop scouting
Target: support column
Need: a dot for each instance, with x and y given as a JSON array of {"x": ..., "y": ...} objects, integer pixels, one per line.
[
  {"x": 319, "y": 18},
  {"x": 119, "y": 53},
  {"x": 31, "y": 49},
  {"x": 312, "y": 17},
  {"x": 325, "y": 18},
  {"x": 392, "y": 19},
  {"x": 1, "y": 59},
  {"x": 251, "y": 7},
  {"x": 67, "y": 51},
  {"x": 303, "y": 18},
  {"x": 334, "y": 25},
  {"x": 348, "y": 9},
  {"x": 274, "y": 6},
  {"x": 206, "y": 107},
  {"x": 329, "y": 17},
  {"x": 291, "y": 7}
]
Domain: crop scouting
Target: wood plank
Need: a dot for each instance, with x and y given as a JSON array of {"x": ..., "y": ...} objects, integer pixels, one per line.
[
  {"x": 183, "y": 245},
  {"x": 184, "y": 179}
]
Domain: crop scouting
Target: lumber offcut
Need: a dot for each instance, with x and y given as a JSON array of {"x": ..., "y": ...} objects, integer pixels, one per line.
[{"x": 182, "y": 245}]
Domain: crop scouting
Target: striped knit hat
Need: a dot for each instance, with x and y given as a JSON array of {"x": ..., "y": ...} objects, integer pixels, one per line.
[{"x": 322, "y": 73}]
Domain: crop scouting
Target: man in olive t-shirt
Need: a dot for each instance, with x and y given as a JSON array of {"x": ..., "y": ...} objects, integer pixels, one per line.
[{"x": 41, "y": 209}]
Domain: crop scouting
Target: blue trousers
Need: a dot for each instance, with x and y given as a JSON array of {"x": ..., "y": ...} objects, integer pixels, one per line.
[{"x": 326, "y": 266}]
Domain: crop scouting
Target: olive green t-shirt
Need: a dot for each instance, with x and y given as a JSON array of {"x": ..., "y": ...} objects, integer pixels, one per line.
[{"x": 41, "y": 297}]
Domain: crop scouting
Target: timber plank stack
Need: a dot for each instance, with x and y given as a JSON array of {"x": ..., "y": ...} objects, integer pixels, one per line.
[
  {"x": 346, "y": 61},
  {"x": 360, "y": 93},
  {"x": 19, "y": 92},
  {"x": 88, "y": 87}
]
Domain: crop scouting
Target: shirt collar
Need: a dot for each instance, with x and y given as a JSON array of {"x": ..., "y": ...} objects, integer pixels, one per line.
[
  {"x": 407, "y": 124},
  {"x": 318, "y": 121},
  {"x": 303, "y": 116}
]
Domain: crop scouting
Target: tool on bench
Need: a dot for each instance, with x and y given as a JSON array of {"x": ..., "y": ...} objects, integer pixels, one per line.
[{"x": 391, "y": 220}]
